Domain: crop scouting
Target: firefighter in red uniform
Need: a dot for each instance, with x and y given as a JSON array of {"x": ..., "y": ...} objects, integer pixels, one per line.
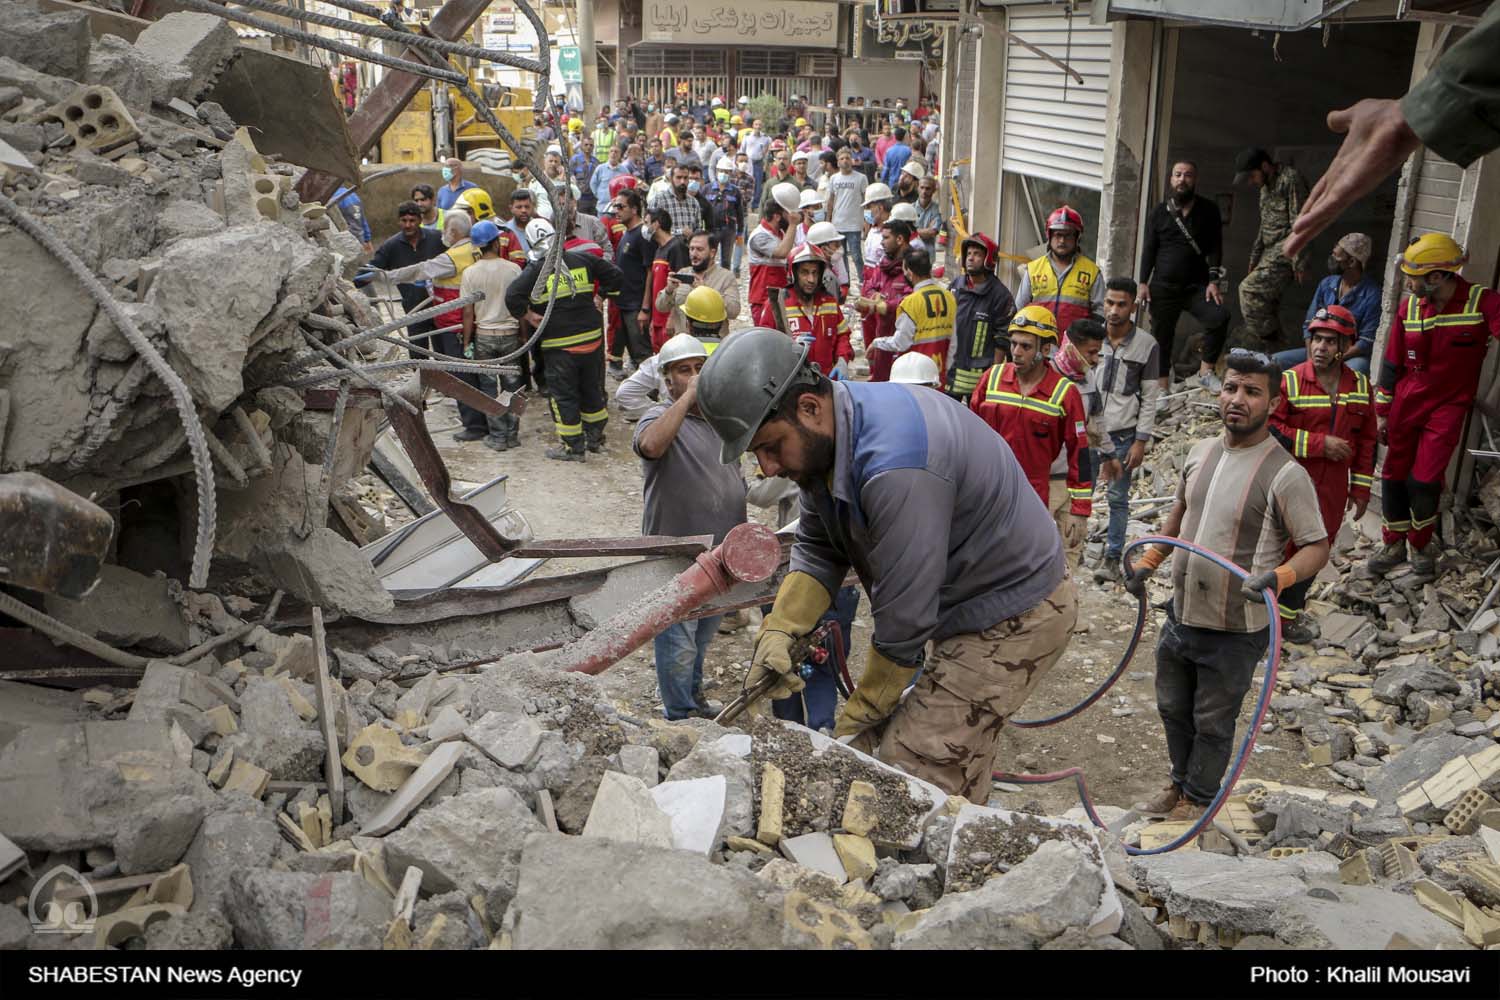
[
  {"x": 769, "y": 246},
  {"x": 1037, "y": 411},
  {"x": 813, "y": 315},
  {"x": 1326, "y": 418},
  {"x": 1428, "y": 379}
]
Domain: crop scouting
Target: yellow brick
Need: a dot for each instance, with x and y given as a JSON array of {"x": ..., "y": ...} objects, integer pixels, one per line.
[
  {"x": 856, "y": 854},
  {"x": 307, "y": 819},
  {"x": 1486, "y": 763},
  {"x": 1480, "y": 928},
  {"x": 304, "y": 708},
  {"x": 379, "y": 758},
  {"x": 1356, "y": 870},
  {"x": 1439, "y": 900},
  {"x": 860, "y": 816},
  {"x": 1445, "y": 788},
  {"x": 219, "y": 772},
  {"x": 222, "y": 719},
  {"x": 746, "y": 844},
  {"x": 853, "y": 894},
  {"x": 772, "y": 791},
  {"x": 1412, "y": 800},
  {"x": 409, "y": 719},
  {"x": 246, "y": 777}
]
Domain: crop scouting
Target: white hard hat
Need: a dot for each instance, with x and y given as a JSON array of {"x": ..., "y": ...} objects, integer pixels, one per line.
[
  {"x": 787, "y": 195},
  {"x": 670, "y": 119},
  {"x": 904, "y": 212},
  {"x": 539, "y": 233},
  {"x": 716, "y": 103},
  {"x": 823, "y": 232},
  {"x": 915, "y": 168},
  {"x": 800, "y": 154},
  {"x": 680, "y": 348},
  {"x": 878, "y": 192},
  {"x": 723, "y": 166},
  {"x": 809, "y": 199},
  {"x": 744, "y": 100},
  {"x": 915, "y": 368}
]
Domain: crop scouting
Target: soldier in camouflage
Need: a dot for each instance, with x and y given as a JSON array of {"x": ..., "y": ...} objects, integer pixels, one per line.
[{"x": 1282, "y": 191}]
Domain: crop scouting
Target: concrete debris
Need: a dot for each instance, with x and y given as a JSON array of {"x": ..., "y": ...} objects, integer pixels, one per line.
[
  {"x": 625, "y": 810},
  {"x": 192, "y": 45},
  {"x": 695, "y": 808},
  {"x": 285, "y": 910},
  {"x": 54, "y": 43}
]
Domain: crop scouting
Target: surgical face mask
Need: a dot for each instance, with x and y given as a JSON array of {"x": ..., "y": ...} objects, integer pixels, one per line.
[
  {"x": 693, "y": 187},
  {"x": 820, "y": 215},
  {"x": 869, "y": 217},
  {"x": 447, "y": 173}
]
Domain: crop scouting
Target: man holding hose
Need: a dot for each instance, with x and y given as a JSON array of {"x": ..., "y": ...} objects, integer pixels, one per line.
[{"x": 1244, "y": 497}]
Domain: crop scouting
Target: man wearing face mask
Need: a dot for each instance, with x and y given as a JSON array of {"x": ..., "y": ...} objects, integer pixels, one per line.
[
  {"x": 1346, "y": 285},
  {"x": 1076, "y": 359},
  {"x": 1063, "y": 279},
  {"x": 454, "y": 183},
  {"x": 702, "y": 252},
  {"x": 881, "y": 294},
  {"x": 768, "y": 248},
  {"x": 1433, "y": 356},
  {"x": 984, "y": 310}
]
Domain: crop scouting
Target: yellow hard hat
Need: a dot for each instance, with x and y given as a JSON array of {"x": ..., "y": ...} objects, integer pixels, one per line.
[
  {"x": 575, "y": 124},
  {"x": 704, "y": 305},
  {"x": 800, "y": 122},
  {"x": 1035, "y": 320},
  {"x": 736, "y": 120},
  {"x": 1432, "y": 252},
  {"x": 477, "y": 201}
]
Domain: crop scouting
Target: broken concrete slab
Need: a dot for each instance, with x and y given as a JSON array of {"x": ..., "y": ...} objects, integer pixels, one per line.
[
  {"x": 583, "y": 893},
  {"x": 695, "y": 808},
  {"x": 1393, "y": 686},
  {"x": 414, "y": 790},
  {"x": 126, "y": 609},
  {"x": 293, "y": 910},
  {"x": 246, "y": 833},
  {"x": 135, "y": 78},
  {"x": 721, "y": 757},
  {"x": 197, "y": 46},
  {"x": 510, "y": 740},
  {"x": 471, "y": 842},
  {"x": 447, "y": 724},
  {"x": 624, "y": 810},
  {"x": 815, "y": 851},
  {"x": 641, "y": 762},
  {"x": 156, "y": 840},
  {"x": 1416, "y": 763},
  {"x": 1239, "y": 895},
  {"x": 56, "y": 43}
]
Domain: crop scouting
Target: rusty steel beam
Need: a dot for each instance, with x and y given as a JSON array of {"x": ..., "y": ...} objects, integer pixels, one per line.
[
  {"x": 453, "y": 387},
  {"x": 395, "y": 90},
  {"x": 642, "y": 545}
]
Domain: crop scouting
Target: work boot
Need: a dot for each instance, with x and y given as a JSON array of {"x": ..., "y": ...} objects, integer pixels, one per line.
[
  {"x": 513, "y": 440},
  {"x": 596, "y": 444},
  {"x": 1109, "y": 571},
  {"x": 495, "y": 443},
  {"x": 1388, "y": 558},
  {"x": 468, "y": 435},
  {"x": 1186, "y": 811},
  {"x": 1424, "y": 561},
  {"x": 1164, "y": 802},
  {"x": 563, "y": 454},
  {"x": 617, "y": 367},
  {"x": 1211, "y": 382},
  {"x": 1298, "y": 630}
]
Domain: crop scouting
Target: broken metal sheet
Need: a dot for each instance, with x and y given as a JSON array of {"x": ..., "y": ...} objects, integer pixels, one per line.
[
  {"x": 432, "y": 553},
  {"x": 642, "y": 545},
  {"x": 445, "y": 383},
  {"x": 390, "y": 462}
]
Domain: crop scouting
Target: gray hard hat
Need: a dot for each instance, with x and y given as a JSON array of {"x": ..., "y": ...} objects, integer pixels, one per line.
[{"x": 745, "y": 380}]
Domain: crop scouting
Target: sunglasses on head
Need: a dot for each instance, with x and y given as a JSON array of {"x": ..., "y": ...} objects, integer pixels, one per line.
[{"x": 1248, "y": 355}]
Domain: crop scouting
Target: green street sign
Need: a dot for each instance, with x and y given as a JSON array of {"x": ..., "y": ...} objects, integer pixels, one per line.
[{"x": 570, "y": 64}]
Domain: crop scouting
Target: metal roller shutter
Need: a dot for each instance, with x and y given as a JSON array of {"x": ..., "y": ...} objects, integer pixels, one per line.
[{"x": 1053, "y": 127}]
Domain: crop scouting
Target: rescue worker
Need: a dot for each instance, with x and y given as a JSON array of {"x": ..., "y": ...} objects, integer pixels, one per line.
[
  {"x": 917, "y": 496},
  {"x": 768, "y": 248},
  {"x": 573, "y": 341},
  {"x": 813, "y": 316},
  {"x": 1063, "y": 279},
  {"x": 1282, "y": 192},
  {"x": 830, "y": 241},
  {"x": 707, "y": 317},
  {"x": 476, "y": 201},
  {"x": 914, "y": 368},
  {"x": 1075, "y": 359},
  {"x": 1433, "y": 356},
  {"x": 881, "y": 295},
  {"x": 924, "y": 319},
  {"x": 877, "y": 207},
  {"x": 1039, "y": 413},
  {"x": 983, "y": 311},
  {"x": 1325, "y": 417}
]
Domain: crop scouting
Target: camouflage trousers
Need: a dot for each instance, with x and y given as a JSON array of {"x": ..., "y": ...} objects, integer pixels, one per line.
[
  {"x": 947, "y": 728},
  {"x": 1260, "y": 298},
  {"x": 1061, "y": 510}
]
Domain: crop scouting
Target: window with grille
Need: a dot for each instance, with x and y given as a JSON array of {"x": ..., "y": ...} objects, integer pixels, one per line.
[
  {"x": 768, "y": 62},
  {"x": 677, "y": 61}
]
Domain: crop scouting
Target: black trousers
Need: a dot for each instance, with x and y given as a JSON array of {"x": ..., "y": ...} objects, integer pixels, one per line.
[
  {"x": 579, "y": 410},
  {"x": 1169, "y": 302},
  {"x": 452, "y": 344},
  {"x": 1201, "y": 679},
  {"x": 637, "y": 340}
]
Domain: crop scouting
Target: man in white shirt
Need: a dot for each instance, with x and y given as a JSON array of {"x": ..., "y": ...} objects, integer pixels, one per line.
[{"x": 846, "y": 195}]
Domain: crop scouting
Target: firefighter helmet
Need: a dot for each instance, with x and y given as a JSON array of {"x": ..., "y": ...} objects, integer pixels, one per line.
[
  {"x": 1035, "y": 320},
  {"x": 823, "y": 232},
  {"x": 1065, "y": 218},
  {"x": 915, "y": 368},
  {"x": 1432, "y": 252},
  {"x": 745, "y": 380},
  {"x": 620, "y": 183},
  {"x": 682, "y": 347},
  {"x": 1335, "y": 318},
  {"x": 990, "y": 247},
  {"x": 477, "y": 201},
  {"x": 704, "y": 305},
  {"x": 807, "y": 253},
  {"x": 788, "y": 196},
  {"x": 539, "y": 233}
]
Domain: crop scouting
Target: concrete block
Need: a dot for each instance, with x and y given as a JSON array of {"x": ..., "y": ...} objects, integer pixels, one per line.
[
  {"x": 295, "y": 910},
  {"x": 720, "y": 757},
  {"x": 199, "y": 45},
  {"x": 55, "y": 43},
  {"x": 860, "y": 810},
  {"x": 1237, "y": 894},
  {"x": 695, "y": 809},
  {"x": 815, "y": 851},
  {"x": 447, "y": 724},
  {"x": 641, "y": 762},
  {"x": 624, "y": 810},
  {"x": 772, "y": 791},
  {"x": 826, "y": 926},
  {"x": 378, "y": 758},
  {"x": 856, "y": 854},
  {"x": 96, "y": 119},
  {"x": 471, "y": 842},
  {"x": 1463, "y": 818},
  {"x": 510, "y": 740}
]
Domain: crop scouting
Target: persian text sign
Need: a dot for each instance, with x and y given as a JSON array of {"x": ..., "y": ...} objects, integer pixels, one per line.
[{"x": 747, "y": 22}]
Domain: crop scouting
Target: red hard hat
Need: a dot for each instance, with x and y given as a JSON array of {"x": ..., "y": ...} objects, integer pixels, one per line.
[
  {"x": 990, "y": 247},
  {"x": 1065, "y": 218},
  {"x": 621, "y": 183},
  {"x": 1337, "y": 319}
]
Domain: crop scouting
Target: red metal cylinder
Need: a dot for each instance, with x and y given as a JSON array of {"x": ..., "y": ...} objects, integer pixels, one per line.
[{"x": 750, "y": 553}]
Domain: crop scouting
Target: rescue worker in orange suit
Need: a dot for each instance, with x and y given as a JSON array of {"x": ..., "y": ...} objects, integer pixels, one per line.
[
  {"x": 1325, "y": 417},
  {"x": 1428, "y": 379},
  {"x": 1063, "y": 279},
  {"x": 880, "y": 298},
  {"x": 768, "y": 247},
  {"x": 813, "y": 316},
  {"x": 1039, "y": 412}
]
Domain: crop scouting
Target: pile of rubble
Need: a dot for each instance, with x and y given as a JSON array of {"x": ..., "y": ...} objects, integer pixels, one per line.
[{"x": 108, "y": 146}]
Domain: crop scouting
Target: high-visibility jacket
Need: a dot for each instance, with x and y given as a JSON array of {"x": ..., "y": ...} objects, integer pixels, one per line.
[
  {"x": 1305, "y": 415},
  {"x": 512, "y": 250},
  {"x": 984, "y": 314},
  {"x": 442, "y": 214},
  {"x": 1070, "y": 300},
  {"x": 1434, "y": 359},
  {"x": 1036, "y": 425},
  {"x": 932, "y": 309},
  {"x": 575, "y": 325},
  {"x": 447, "y": 289},
  {"x": 822, "y": 323}
]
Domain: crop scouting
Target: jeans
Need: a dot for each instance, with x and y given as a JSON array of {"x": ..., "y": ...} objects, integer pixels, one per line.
[
  {"x": 1201, "y": 679},
  {"x": 487, "y": 347},
  {"x": 1119, "y": 498},
  {"x": 727, "y": 247},
  {"x": 1287, "y": 359},
  {"x": 679, "y": 664},
  {"x": 817, "y": 703},
  {"x": 854, "y": 250},
  {"x": 452, "y": 344},
  {"x": 758, "y": 174}
]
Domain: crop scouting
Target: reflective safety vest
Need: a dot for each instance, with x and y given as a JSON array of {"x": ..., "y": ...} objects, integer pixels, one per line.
[
  {"x": 1039, "y": 425},
  {"x": 1070, "y": 300},
  {"x": 582, "y": 285},
  {"x": 447, "y": 289},
  {"x": 1418, "y": 331},
  {"x": 442, "y": 214},
  {"x": 932, "y": 308}
]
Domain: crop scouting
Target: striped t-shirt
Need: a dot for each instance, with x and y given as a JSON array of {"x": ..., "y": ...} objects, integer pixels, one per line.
[{"x": 1246, "y": 504}]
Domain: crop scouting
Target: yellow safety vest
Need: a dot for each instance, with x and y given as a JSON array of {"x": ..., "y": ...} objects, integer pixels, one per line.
[
  {"x": 1074, "y": 298},
  {"x": 932, "y": 309},
  {"x": 438, "y": 225},
  {"x": 462, "y": 256}
]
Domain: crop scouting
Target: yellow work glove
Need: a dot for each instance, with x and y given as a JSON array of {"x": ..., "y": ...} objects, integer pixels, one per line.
[
  {"x": 875, "y": 696},
  {"x": 800, "y": 602}
]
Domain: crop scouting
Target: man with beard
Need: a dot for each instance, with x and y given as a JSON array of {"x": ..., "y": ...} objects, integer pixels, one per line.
[
  {"x": 1326, "y": 419},
  {"x": 1241, "y": 495},
  {"x": 1179, "y": 272},
  {"x": 924, "y": 319},
  {"x": 679, "y": 203},
  {"x": 1346, "y": 285},
  {"x": 908, "y": 181},
  {"x": 1282, "y": 192},
  {"x": 669, "y": 257},
  {"x": 813, "y": 316},
  {"x": 880, "y": 296},
  {"x": 1433, "y": 356},
  {"x": 916, "y": 495},
  {"x": 634, "y": 254},
  {"x": 984, "y": 309},
  {"x": 1040, "y": 414},
  {"x": 1063, "y": 279},
  {"x": 702, "y": 253}
]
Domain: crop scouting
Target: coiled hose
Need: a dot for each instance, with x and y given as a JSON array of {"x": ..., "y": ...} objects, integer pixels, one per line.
[
  {"x": 181, "y": 399},
  {"x": 1247, "y": 745}
]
